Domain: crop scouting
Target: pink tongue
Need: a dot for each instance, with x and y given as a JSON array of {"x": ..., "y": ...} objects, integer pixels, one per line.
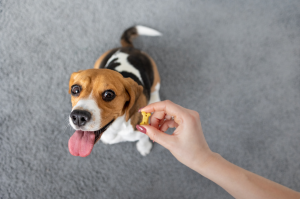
[{"x": 81, "y": 143}]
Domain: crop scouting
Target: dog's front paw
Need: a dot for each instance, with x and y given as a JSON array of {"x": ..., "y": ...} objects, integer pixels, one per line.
[{"x": 144, "y": 146}]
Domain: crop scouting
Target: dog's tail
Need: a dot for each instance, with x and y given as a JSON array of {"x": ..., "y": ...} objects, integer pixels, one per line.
[{"x": 132, "y": 32}]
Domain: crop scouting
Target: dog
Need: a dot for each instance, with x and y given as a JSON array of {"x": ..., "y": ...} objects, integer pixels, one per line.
[{"x": 107, "y": 98}]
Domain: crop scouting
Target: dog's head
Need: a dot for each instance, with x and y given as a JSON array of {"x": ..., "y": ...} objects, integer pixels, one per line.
[{"x": 98, "y": 97}]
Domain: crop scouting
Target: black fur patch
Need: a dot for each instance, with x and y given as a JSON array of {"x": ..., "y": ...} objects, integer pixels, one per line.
[
  {"x": 106, "y": 58},
  {"x": 138, "y": 61}
]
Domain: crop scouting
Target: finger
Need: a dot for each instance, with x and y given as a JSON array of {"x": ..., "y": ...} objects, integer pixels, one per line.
[
  {"x": 156, "y": 135},
  {"x": 163, "y": 119},
  {"x": 169, "y": 117},
  {"x": 168, "y": 124},
  {"x": 168, "y": 107},
  {"x": 156, "y": 118},
  {"x": 161, "y": 122}
]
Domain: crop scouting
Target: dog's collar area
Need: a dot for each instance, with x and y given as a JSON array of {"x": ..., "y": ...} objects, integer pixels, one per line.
[{"x": 99, "y": 132}]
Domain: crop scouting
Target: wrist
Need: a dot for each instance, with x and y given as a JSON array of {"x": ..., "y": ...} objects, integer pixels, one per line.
[{"x": 210, "y": 159}]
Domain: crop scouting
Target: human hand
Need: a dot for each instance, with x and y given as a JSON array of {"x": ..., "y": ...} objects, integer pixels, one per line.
[{"x": 187, "y": 143}]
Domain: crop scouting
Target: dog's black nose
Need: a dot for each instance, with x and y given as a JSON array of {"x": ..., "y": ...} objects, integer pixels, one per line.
[{"x": 79, "y": 117}]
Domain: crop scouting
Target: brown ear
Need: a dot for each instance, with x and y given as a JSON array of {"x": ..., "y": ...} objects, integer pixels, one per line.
[
  {"x": 72, "y": 78},
  {"x": 135, "y": 92}
]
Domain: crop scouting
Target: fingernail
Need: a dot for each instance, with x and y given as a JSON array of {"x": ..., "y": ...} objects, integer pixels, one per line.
[
  {"x": 141, "y": 109},
  {"x": 141, "y": 129}
]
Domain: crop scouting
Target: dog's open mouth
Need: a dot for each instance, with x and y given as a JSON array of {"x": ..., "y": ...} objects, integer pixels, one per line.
[{"x": 81, "y": 143}]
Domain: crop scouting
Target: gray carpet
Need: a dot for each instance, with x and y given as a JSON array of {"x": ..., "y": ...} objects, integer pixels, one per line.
[{"x": 237, "y": 63}]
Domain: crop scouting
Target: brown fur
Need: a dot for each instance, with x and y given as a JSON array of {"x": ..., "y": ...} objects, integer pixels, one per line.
[{"x": 136, "y": 118}]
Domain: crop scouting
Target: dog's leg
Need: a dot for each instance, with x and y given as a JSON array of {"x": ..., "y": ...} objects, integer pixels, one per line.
[
  {"x": 154, "y": 97},
  {"x": 144, "y": 145}
]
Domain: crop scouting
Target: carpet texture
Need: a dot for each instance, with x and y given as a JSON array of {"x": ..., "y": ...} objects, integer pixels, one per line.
[{"x": 237, "y": 63}]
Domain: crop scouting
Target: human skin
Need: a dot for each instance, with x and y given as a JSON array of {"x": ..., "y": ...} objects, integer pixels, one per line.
[{"x": 188, "y": 145}]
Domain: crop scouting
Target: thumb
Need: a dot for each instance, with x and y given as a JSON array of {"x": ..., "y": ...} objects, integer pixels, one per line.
[{"x": 156, "y": 135}]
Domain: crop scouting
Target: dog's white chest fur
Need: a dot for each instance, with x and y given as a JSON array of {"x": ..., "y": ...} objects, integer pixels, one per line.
[{"x": 121, "y": 131}]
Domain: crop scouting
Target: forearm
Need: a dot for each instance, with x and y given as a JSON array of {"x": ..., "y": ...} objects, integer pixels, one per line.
[{"x": 241, "y": 183}]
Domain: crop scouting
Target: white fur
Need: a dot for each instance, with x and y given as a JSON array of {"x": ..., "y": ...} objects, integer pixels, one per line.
[
  {"x": 155, "y": 94},
  {"x": 143, "y": 30},
  {"x": 125, "y": 65},
  {"x": 121, "y": 131},
  {"x": 90, "y": 105}
]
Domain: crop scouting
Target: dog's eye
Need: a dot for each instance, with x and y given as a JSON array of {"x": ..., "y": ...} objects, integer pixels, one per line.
[
  {"x": 108, "y": 95},
  {"x": 75, "y": 90}
]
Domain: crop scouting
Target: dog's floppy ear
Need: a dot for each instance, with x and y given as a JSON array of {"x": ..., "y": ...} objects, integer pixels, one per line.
[
  {"x": 72, "y": 78},
  {"x": 134, "y": 94}
]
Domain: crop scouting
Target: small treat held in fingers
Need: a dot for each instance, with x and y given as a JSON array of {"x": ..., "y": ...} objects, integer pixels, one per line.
[{"x": 145, "y": 120}]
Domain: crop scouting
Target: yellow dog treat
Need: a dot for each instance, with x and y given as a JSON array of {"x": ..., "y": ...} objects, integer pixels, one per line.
[{"x": 145, "y": 118}]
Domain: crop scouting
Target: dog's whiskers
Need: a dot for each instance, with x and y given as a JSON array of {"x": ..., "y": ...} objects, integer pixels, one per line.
[{"x": 65, "y": 129}]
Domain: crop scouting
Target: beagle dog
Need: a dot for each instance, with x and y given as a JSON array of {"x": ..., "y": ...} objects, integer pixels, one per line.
[{"x": 108, "y": 97}]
